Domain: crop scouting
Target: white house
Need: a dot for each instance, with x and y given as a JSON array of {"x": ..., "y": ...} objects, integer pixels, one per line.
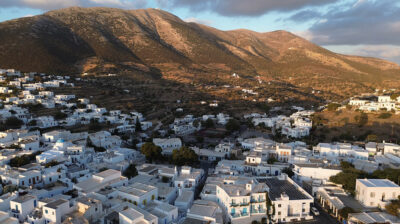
[
  {"x": 54, "y": 211},
  {"x": 138, "y": 193},
  {"x": 188, "y": 178},
  {"x": 5, "y": 90},
  {"x": 135, "y": 215},
  {"x": 225, "y": 148},
  {"x": 290, "y": 201},
  {"x": 22, "y": 206},
  {"x": 105, "y": 139},
  {"x": 46, "y": 122},
  {"x": 309, "y": 171},
  {"x": 376, "y": 192},
  {"x": 5, "y": 217},
  {"x": 242, "y": 198},
  {"x": 206, "y": 211},
  {"x": 53, "y": 136},
  {"x": 168, "y": 144},
  {"x": 184, "y": 201},
  {"x": 100, "y": 180}
]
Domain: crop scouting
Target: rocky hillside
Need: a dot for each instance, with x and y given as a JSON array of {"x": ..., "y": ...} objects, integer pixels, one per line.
[{"x": 76, "y": 40}]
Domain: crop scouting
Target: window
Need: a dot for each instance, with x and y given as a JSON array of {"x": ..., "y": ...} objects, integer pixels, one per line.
[
  {"x": 45, "y": 211},
  {"x": 279, "y": 213},
  {"x": 279, "y": 205},
  {"x": 371, "y": 203},
  {"x": 372, "y": 194}
]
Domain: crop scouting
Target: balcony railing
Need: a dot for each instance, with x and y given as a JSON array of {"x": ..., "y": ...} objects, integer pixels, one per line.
[
  {"x": 257, "y": 201},
  {"x": 235, "y": 215},
  {"x": 15, "y": 211}
]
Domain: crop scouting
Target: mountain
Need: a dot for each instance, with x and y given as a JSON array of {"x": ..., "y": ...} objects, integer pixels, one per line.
[{"x": 103, "y": 40}]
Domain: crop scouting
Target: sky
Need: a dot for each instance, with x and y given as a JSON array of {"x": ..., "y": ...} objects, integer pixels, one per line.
[{"x": 359, "y": 27}]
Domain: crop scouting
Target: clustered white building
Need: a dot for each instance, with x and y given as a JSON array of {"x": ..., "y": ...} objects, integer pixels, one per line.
[
  {"x": 297, "y": 125},
  {"x": 79, "y": 177},
  {"x": 382, "y": 103}
]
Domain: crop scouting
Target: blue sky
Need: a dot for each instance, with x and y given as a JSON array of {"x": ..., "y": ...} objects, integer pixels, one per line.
[{"x": 360, "y": 27}]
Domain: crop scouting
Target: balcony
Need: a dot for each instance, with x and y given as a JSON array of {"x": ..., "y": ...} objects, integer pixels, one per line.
[
  {"x": 260, "y": 200},
  {"x": 15, "y": 211},
  {"x": 234, "y": 205},
  {"x": 235, "y": 215},
  {"x": 244, "y": 213},
  {"x": 244, "y": 204}
]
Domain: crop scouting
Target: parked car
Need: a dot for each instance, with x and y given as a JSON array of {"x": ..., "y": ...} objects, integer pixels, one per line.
[{"x": 314, "y": 210}]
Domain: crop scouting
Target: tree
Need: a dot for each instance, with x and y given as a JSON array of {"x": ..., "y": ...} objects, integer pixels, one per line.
[
  {"x": 232, "y": 125},
  {"x": 361, "y": 119},
  {"x": 272, "y": 160},
  {"x": 131, "y": 171},
  {"x": 333, "y": 106},
  {"x": 23, "y": 160},
  {"x": 394, "y": 96},
  {"x": 60, "y": 115},
  {"x": 94, "y": 125},
  {"x": 32, "y": 123},
  {"x": 384, "y": 115},
  {"x": 13, "y": 123},
  {"x": 344, "y": 212},
  {"x": 151, "y": 151},
  {"x": 346, "y": 165},
  {"x": 51, "y": 163},
  {"x": 388, "y": 173},
  {"x": 9, "y": 188},
  {"x": 348, "y": 177},
  {"x": 184, "y": 156},
  {"x": 393, "y": 207},
  {"x": 288, "y": 171},
  {"x": 372, "y": 138},
  {"x": 196, "y": 123},
  {"x": 209, "y": 123},
  {"x": 138, "y": 126}
]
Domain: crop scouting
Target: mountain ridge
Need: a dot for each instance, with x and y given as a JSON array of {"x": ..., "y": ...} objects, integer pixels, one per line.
[{"x": 102, "y": 40}]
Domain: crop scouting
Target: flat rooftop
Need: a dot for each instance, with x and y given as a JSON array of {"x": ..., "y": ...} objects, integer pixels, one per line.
[
  {"x": 107, "y": 173},
  {"x": 377, "y": 183},
  {"x": 23, "y": 198},
  {"x": 278, "y": 187},
  {"x": 55, "y": 204},
  {"x": 186, "y": 196}
]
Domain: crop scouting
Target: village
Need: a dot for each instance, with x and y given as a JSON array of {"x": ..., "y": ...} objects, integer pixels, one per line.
[{"x": 90, "y": 164}]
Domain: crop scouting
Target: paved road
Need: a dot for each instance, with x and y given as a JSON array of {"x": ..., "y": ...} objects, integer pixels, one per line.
[{"x": 323, "y": 217}]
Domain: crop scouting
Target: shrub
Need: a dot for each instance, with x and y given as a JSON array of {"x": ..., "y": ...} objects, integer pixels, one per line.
[
  {"x": 384, "y": 115},
  {"x": 333, "y": 106}
]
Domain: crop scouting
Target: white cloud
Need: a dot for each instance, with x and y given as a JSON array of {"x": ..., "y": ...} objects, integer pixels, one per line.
[
  {"x": 196, "y": 20},
  {"x": 57, "y": 4},
  {"x": 384, "y": 51},
  {"x": 243, "y": 7},
  {"x": 46, "y": 4}
]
